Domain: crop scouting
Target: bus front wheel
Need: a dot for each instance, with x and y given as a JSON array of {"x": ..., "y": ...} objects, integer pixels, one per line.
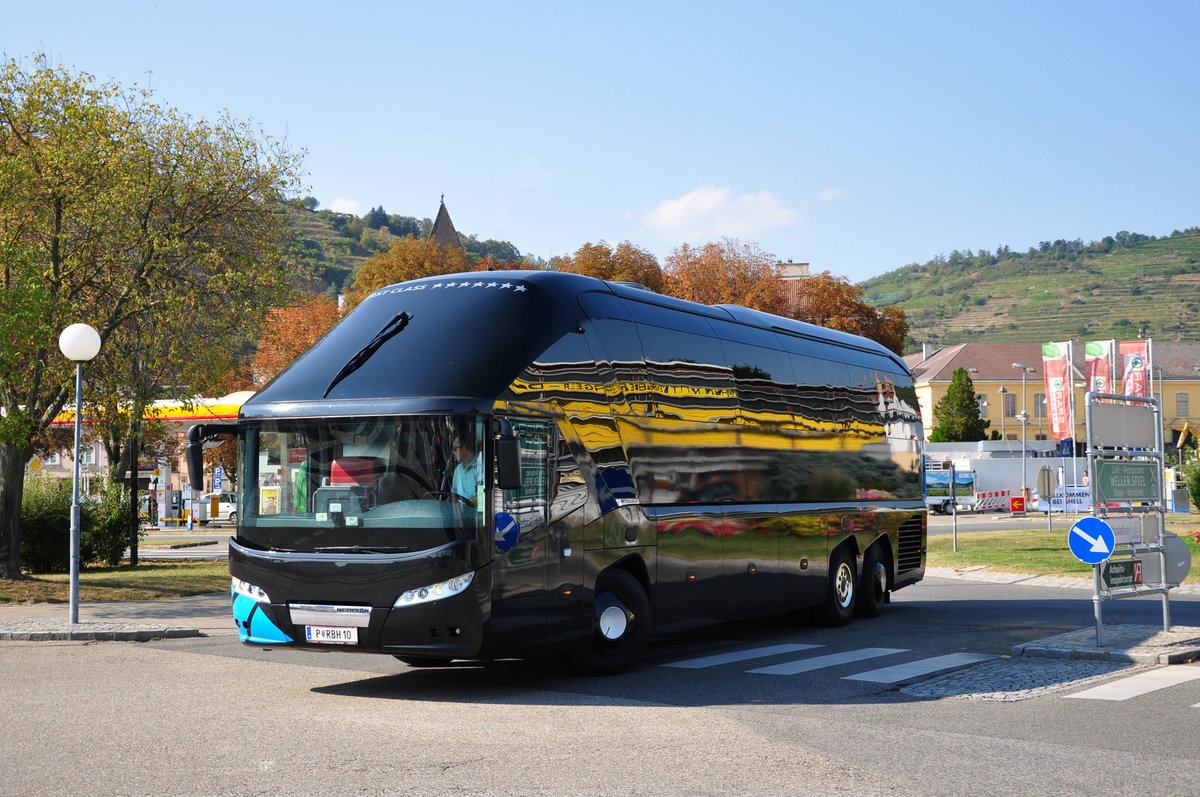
[
  {"x": 840, "y": 591},
  {"x": 620, "y": 628}
]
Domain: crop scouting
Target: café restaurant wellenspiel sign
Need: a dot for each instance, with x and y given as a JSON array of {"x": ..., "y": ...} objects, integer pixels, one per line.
[{"x": 1126, "y": 482}]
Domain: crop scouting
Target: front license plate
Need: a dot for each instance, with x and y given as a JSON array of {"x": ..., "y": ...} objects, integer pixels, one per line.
[{"x": 332, "y": 635}]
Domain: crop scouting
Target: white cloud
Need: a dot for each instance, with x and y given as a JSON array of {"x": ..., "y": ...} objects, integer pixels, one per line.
[
  {"x": 525, "y": 175},
  {"x": 709, "y": 213},
  {"x": 830, "y": 194},
  {"x": 341, "y": 205}
]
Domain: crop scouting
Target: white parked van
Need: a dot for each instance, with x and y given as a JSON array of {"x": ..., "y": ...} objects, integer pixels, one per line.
[{"x": 226, "y": 506}]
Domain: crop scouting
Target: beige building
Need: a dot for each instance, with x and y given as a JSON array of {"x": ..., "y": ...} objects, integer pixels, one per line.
[
  {"x": 994, "y": 370},
  {"x": 792, "y": 275}
]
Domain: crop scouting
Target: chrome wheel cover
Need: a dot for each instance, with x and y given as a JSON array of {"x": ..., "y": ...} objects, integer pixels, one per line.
[
  {"x": 879, "y": 580},
  {"x": 843, "y": 585},
  {"x": 613, "y": 622}
]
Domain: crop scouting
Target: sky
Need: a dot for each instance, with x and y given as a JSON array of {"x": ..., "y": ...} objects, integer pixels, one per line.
[{"x": 857, "y": 137}]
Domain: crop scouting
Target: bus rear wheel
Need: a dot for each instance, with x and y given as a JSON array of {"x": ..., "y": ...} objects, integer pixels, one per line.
[
  {"x": 873, "y": 587},
  {"x": 840, "y": 591},
  {"x": 620, "y": 628}
]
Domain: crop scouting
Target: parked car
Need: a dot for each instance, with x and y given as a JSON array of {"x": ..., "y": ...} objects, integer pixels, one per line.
[{"x": 226, "y": 506}]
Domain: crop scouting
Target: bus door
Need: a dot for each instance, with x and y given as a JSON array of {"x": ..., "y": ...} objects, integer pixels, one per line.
[{"x": 524, "y": 554}]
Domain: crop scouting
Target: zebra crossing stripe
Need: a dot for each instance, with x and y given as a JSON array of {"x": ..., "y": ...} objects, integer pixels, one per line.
[
  {"x": 740, "y": 655},
  {"x": 1142, "y": 683},
  {"x": 915, "y": 669},
  {"x": 832, "y": 660}
]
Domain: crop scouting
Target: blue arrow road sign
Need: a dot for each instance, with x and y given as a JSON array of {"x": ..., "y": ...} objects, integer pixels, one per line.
[{"x": 1091, "y": 540}]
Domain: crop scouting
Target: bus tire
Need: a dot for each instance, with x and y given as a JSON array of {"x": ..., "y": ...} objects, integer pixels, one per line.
[
  {"x": 621, "y": 626},
  {"x": 840, "y": 591},
  {"x": 873, "y": 585}
]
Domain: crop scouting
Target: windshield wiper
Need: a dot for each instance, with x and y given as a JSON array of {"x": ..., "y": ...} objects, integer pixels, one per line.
[
  {"x": 361, "y": 549},
  {"x": 389, "y": 331}
]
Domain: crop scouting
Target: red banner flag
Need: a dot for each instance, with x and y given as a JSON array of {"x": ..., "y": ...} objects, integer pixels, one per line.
[
  {"x": 1135, "y": 361},
  {"x": 1098, "y": 365},
  {"x": 1056, "y": 365}
]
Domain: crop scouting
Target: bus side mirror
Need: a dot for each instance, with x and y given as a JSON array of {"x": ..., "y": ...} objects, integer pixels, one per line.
[
  {"x": 197, "y": 437},
  {"x": 508, "y": 458}
]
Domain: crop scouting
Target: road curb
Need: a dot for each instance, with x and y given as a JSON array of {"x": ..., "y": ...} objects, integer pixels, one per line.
[
  {"x": 1135, "y": 644},
  {"x": 45, "y": 630}
]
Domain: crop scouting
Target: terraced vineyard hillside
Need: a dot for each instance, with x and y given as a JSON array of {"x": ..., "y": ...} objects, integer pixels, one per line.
[
  {"x": 1101, "y": 290},
  {"x": 330, "y": 253}
]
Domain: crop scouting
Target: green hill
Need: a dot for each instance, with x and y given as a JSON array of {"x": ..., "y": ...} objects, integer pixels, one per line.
[
  {"x": 333, "y": 245},
  {"x": 329, "y": 250},
  {"x": 1116, "y": 288}
]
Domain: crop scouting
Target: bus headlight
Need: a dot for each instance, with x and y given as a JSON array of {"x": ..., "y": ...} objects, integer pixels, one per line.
[
  {"x": 256, "y": 594},
  {"x": 434, "y": 592}
]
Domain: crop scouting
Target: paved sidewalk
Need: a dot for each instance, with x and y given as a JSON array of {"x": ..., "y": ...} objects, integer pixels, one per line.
[{"x": 130, "y": 621}]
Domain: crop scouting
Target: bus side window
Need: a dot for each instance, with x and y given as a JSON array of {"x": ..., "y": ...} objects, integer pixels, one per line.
[{"x": 529, "y": 503}]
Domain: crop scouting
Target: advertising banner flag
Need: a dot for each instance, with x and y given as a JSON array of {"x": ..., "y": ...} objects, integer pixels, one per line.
[
  {"x": 1098, "y": 365},
  {"x": 1056, "y": 364},
  {"x": 1135, "y": 364}
]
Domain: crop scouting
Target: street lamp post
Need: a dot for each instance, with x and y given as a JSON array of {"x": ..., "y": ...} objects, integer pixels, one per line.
[
  {"x": 78, "y": 343},
  {"x": 1162, "y": 407},
  {"x": 1003, "y": 391},
  {"x": 1023, "y": 418}
]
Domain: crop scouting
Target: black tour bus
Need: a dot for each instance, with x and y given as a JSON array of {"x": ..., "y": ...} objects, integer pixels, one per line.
[{"x": 506, "y": 464}]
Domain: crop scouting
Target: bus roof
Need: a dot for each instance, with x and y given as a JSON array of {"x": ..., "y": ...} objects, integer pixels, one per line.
[{"x": 453, "y": 343}]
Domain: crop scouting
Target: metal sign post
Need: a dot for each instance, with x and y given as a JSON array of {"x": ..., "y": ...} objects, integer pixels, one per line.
[
  {"x": 1125, "y": 456},
  {"x": 1046, "y": 482},
  {"x": 953, "y": 509}
]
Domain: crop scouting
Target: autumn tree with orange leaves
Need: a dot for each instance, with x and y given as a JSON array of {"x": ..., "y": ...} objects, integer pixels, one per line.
[
  {"x": 409, "y": 258},
  {"x": 289, "y": 331},
  {"x": 729, "y": 272},
  {"x": 836, "y": 303},
  {"x": 625, "y": 263}
]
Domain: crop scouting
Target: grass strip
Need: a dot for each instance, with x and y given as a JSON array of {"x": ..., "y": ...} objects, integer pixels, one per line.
[
  {"x": 1029, "y": 549},
  {"x": 147, "y": 581}
]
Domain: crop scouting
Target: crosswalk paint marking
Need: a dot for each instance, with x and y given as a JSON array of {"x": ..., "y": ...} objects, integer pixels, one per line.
[
  {"x": 914, "y": 669},
  {"x": 1142, "y": 683},
  {"x": 740, "y": 655},
  {"x": 831, "y": 660}
]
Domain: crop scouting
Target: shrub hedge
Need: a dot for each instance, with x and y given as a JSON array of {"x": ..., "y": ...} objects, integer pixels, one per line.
[{"x": 46, "y": 525}]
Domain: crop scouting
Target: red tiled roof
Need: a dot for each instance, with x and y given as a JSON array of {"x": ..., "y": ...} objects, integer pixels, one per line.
[{"x": 994, "y": 361}]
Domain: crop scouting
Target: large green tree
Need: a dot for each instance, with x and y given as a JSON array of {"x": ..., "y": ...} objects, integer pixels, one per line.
[
  {"x": 956, "y": 414},
  {"x": 143, "y": 222}
]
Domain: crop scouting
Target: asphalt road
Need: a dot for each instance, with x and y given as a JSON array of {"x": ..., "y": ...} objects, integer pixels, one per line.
[{"x": 707, "y": 712}]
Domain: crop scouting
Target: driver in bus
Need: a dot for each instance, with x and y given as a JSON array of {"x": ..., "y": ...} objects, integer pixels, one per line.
[{"x": 468, "y": 473}]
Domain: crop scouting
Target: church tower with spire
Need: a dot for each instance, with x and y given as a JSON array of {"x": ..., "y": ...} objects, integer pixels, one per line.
[{"x": 443, "y": 231}]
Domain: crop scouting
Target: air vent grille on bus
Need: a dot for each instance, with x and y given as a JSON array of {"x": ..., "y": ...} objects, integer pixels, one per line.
[{"x": 910, "y": 544}]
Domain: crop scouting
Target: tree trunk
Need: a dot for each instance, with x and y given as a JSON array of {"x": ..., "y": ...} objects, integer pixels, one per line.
[
  {"x": 133, "y": 499},
  {"x": 12, "y": 487}
]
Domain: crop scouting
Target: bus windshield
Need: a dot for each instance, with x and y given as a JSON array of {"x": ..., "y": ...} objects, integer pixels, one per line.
[{"x": 364, "y": 485}]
